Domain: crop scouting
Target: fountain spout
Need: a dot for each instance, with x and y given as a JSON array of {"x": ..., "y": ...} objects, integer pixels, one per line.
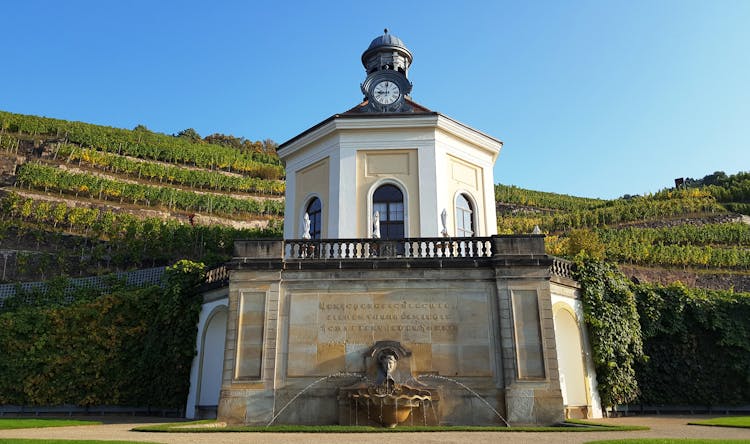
[{"x": 385, "y": 398}]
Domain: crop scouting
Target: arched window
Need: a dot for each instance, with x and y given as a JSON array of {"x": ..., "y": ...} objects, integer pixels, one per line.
[
  {"x": 388, "y": 200},
  {"x": 464, "y": 217},
  {"x": 314, "y": 212}
]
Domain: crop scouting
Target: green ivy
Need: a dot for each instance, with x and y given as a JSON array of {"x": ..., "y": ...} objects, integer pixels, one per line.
[
  {"x": 615, "y": 333},
  {"x": 699, "y": 344},
  {"x": 130, "y": 347},
  {"x": 665, "y": 345}
]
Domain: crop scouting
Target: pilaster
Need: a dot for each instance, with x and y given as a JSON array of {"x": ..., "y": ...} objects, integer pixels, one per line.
[{"x": 527, "y": 336}]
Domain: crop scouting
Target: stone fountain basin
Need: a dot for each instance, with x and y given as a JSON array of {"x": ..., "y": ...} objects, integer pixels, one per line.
[{"x": 390, "y": 409}]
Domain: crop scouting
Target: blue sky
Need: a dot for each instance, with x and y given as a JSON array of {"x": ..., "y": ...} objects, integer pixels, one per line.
[{"x": 592, "y": 98}]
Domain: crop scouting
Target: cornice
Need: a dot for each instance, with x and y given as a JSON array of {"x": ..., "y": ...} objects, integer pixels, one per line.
[{"x": 392, "y": 121}]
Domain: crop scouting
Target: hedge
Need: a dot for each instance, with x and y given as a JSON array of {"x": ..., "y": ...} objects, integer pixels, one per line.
[
  {"x": 698, "y": 343},
  {"x": 130, "y": 347},
  {"x": 665, "y": 345}
]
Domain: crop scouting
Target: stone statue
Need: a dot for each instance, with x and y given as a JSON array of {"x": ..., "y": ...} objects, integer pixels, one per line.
[
  {"x": 306, "y": 223},
  {"x": 443, "y": 218},
  {"x": 376, "y": 225}
]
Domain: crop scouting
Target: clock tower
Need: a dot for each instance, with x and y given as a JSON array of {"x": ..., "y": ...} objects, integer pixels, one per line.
[
  {"x": 389, "y": 167},
  {"x": 387, "y": 86}
]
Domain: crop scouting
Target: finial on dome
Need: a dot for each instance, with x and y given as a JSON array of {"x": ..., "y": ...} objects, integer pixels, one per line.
[{"x": 385, "y": 31}]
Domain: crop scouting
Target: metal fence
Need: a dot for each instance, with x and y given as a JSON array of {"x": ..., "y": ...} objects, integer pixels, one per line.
[{"x": 136, "y": 278}]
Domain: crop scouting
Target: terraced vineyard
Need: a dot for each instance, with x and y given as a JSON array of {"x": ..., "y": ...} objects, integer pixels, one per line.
[
  {"x": 85, "y": 199},
  {"x": 697, "y": 230}
]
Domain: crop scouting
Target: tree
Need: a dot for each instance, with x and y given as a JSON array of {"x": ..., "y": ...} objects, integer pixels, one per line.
[
  {"x": 190, "y": 134},
  {"x": 269, "y": 146},
  {"x": 585, "y": 241}
]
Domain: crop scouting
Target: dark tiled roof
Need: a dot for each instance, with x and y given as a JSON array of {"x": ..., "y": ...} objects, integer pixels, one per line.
[
  {"x": 356, "y": 111},
  {"x": 417, "y": 108}
]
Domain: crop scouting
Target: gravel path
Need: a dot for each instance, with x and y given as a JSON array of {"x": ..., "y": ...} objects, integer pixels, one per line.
[{"x": 119, "y": 429}]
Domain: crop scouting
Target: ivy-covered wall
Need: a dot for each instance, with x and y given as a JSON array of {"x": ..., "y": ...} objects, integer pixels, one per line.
[
  {"x": 612, "y": 319},
  {"x": 698, "y": 346},
  {"x": 672, "y": 345},
  {"x": 130, "y": 347}
]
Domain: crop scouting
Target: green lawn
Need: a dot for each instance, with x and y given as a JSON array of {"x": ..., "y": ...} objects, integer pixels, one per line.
[
  {"x": 725, "y": 421},
  {"x": 25, "y": 423},
  {"x": 65, "y": 441},
  {"x": 204, "y": 426},
  {"x": 671, "y": 441}
]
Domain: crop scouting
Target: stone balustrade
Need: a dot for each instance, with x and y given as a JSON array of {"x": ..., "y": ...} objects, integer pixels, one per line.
[
  {"x": 503, "y": 248},
  {"x": 562, "y": 268},
  {"x": 417, "y": 248},
  {"x": 217, "y": 275}
]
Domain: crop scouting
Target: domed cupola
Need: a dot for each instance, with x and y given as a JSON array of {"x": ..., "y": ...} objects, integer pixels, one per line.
[
  {"x": 387, "y": 87},
  {"x": 387, "y": 52}
]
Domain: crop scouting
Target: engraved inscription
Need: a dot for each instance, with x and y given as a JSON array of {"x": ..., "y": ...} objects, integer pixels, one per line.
[{"x": 403, "y": 316}]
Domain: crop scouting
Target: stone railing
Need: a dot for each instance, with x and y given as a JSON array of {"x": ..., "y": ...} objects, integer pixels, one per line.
[
  {"x": 562, "y": 268},
  {"x": 417, "y": 248},
  {"x": 217, "y": 275}
]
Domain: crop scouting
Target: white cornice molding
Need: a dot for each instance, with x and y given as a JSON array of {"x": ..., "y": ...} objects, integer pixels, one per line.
[
  {"x": 477, "y": 138},
  {"x": 407, "y": 121}
]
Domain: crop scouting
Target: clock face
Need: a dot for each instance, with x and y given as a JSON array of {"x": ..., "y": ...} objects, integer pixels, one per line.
[{"x": 386, "y": 92}]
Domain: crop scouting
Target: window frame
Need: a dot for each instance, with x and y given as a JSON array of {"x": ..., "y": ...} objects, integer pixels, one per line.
[
  {"x": 371, "y": 207},
  {"x": 316, "y": 229},
  {"x": 477, "y": 225}
]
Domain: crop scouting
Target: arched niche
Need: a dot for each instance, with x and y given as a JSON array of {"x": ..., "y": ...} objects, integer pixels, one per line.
[
  {"x": 570, "y": 357},
  {"x": 211, "y": 362}
]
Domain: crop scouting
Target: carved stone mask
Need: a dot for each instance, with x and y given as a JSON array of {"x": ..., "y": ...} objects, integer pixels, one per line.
[{"x": 388, "y": 363}]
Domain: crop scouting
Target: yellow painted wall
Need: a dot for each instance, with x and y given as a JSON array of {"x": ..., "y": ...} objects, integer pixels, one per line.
[
  {"x": 376, "y": 165},
  {"x": 312, "y": 180},
  {"x": 465, "y": 177},
  {"x": 570, "y": 360}
]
